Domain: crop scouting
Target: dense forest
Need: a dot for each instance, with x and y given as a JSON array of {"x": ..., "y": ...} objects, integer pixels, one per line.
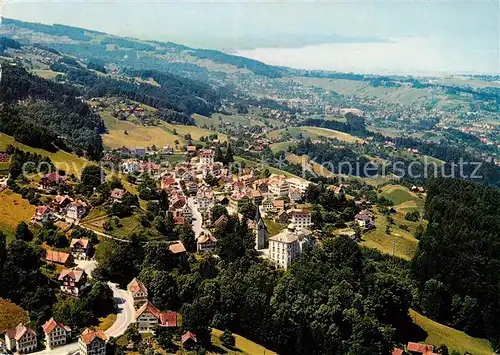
[
  {"x": 176, "y": 93},
  {"x": 354, "y": 124},
  {"x": 458, "y": 257},
  {"x": 337, "y": 299},
  {"x": 42, "y": 113}
]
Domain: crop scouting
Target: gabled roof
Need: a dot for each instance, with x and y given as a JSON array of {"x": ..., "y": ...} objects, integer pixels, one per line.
[
  {"x": 177, "y": 248},
  {"x": 397, "y": 351},
  {"x": 149, "y": 307},
  {"x": 43, "y": 209},
  {"x": 49, "y": 326},
  {"x": 76, "y": 274},
  {"x": 168, "y": 319},
  {"x": 53, "y": 177},
  {"x": 83, "y": 242},
  {"x": 205, "y": 238},
  {"x": 420, "y": 348},
  {"x": 58, "y": 257},
  {"x": 88, "y": 336},
  {"x": 220, "y": 220},
  {"x": 188, "y": 335},
  {"x": 278, "y": 203},
  {"x": 60, "y": 199},
  {"x": 19, "y": 332},
  {"x": 165, "y": 319},
  {"x": 300, "y": 213},
  {"x": 136, "y": 286}
]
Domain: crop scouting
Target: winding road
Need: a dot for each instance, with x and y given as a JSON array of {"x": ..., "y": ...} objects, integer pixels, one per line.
[{"x": 125, "y": 313}]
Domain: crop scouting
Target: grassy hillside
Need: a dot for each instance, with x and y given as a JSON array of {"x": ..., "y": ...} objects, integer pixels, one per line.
[
  {"x": 61, "y": 159},
  {"x": 400, "y": 242},
  {"x": 313, "y": 133},
  {"x": 401, "y": 95},
  {"x": 454, "y": 339},
  {"x": 404, "y": 199},
  {"x": 137, "y": 136},
  {"x": 13, "y": 210},
  {"x": 243, "y": 345},
  {"x": 11, "y": 315},
  {"x": 251, "y": 163}
]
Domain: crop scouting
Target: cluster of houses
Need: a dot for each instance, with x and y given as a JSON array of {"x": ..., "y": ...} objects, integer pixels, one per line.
[
  {"x": 148, "y": 317},
  {"x": 73, "y": 280},
  {"x": 23, "y": 340},
  {"x": 62, "y": 207}
]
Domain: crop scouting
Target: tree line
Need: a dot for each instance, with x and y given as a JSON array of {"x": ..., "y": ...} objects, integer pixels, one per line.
[
  {"x": 48, "y": 115},
  {"x": 457, "y": 261}
]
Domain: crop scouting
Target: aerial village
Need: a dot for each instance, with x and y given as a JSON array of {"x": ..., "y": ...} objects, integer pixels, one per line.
[{"x": 196, "y": 188}]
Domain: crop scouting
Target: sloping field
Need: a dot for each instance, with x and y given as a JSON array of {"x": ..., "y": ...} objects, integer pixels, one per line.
[
  {"x": 454, "y": 339},
  {"x": 131, "y": 135},
  {"x": 402, "y": 197},
  {"x": 403, "y": 94},
  {"x": 330, "y": 133},
  {"x": 62, "y": 160},
  {"x": 242, "y": 346},
  {"x": 11, "y": 315},
  {"x": 313, "y": 133},
  {"x": 13, "y": 210}
]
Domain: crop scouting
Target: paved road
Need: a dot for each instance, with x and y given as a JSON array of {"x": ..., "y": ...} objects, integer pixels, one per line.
[
  {"x": 125, "y": 316},
  {"x": 126, "y": 311},
  {"x": 197, "y": 221}
]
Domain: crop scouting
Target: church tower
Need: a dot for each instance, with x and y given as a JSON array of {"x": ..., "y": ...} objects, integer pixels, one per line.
[{"x": 261, "y": 232}]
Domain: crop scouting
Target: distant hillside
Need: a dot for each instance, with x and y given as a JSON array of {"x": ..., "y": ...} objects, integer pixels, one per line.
[{"x": 92, "y": 43}]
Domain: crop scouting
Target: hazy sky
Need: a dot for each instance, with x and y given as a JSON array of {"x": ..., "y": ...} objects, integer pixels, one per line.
[{"x": 398, "y": 36}]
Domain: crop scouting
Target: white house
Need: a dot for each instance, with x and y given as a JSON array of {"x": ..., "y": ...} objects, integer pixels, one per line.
[
  {"x": 56, "y": 334},
  {"x": 73, "y": 281},
  {"x": 207, "y": 156},
  {"x": 297, "y": 183},
  {"x": 301, "y": 218},
  {"x": 80, "y": 248},
  {"x": 130, "y": 166},
  {"x": 148, "y": 317},
  {"x": 92, "y": 342},
  {"x": 279, "y": 187},
  {"x": 205, "y": 198},
  {"x": 294, "y": 194},
  {"x": 21, "y": 340},
  {"x": 205, "y": 243},
  {"x": 76, "y": 210},
  {"x": 138, "y": 291},
  {"x": 287, "y": 246}
]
